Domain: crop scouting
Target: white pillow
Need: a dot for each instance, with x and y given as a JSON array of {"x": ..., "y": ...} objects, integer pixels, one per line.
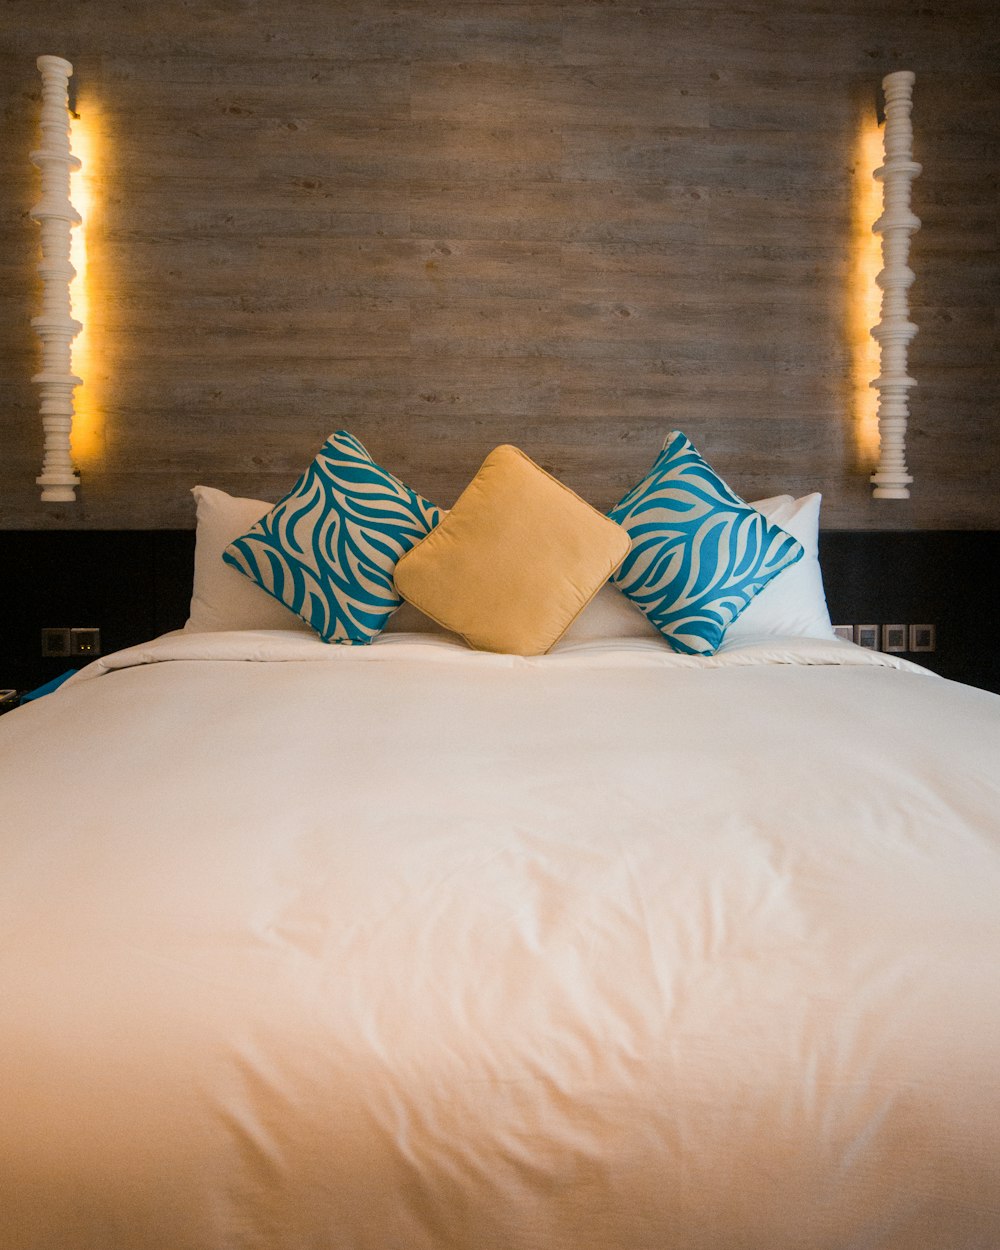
[
  {"x": 410, "y": 620},
  {"x": 224, "y": 598},
  {"x": 793, "y": 604},
  {"x": 610, "y": 615}
]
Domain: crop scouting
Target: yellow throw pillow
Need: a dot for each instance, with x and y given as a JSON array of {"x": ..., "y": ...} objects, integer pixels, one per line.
[{"x": 514, "y": 561}]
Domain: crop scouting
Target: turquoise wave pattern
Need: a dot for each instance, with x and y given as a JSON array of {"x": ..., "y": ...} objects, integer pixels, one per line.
[
  {"x": 699, "y": 554},
  {"x": 328, "y": 549}
]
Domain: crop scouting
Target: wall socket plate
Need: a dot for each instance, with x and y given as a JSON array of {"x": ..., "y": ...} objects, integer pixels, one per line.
[
  {"x": 923, "y": 638},
  {"x": 895, "y": 639},
  {"x": 85, "y": 641},
  {"x": 57, "y": 642},
  {"x": 868, "y": 636},
  {"x": 844, "y": 632}
]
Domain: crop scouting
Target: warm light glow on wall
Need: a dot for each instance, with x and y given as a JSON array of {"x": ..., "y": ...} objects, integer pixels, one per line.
[
  {"x": 865, "y": 299},
  {"x": 86, "y": 436}
]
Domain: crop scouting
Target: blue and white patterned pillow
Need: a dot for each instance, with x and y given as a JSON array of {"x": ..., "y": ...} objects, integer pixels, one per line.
[
  {"x": 699, "y": 553},
  {"x": 329, "y": 548}
]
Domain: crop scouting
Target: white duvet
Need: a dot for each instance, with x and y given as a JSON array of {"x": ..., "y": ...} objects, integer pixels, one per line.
[{"x": 412, "y": 948}]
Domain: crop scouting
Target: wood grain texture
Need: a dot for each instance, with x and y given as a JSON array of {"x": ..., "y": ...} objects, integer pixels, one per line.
[{"x": 572, "y": 226}]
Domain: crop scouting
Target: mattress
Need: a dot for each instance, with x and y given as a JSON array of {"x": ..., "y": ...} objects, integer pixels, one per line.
[{"x": 408, "y": 947}]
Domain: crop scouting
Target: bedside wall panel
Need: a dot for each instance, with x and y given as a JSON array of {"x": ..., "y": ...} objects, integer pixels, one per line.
[{"x": 134, "y": 585}]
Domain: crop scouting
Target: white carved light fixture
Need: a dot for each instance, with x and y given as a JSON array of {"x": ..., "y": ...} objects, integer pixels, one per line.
[
  {"x": 55, "y": 326},
  {"x": 895, "y": 330}
]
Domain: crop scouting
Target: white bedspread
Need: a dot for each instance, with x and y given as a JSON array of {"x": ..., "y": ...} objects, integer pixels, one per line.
[{"x": 411, "y": 948}]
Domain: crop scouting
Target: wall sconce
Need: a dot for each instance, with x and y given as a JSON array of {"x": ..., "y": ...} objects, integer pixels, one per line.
[
  {"x": 895, "y": 330},
  {"x": 55, "y": 326}
]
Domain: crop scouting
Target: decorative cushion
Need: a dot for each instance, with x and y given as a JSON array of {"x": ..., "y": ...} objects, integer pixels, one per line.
[
  {"x": 222, "y": 599},
  {"x": 514, "y": 561},
  {"x": 699, "y": 554},
  {"x": 794, "y": 604},
  {"x": 328, "y": 549}
]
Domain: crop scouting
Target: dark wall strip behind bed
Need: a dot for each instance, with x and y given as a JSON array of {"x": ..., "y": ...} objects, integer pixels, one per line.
[{"x": 136, "y": 584}]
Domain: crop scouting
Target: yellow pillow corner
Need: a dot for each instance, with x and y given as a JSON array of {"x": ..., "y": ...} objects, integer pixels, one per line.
[{"x": 516, "y": 559}]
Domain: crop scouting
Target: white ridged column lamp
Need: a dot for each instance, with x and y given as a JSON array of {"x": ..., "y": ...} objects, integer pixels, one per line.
[
  {"x": 895, "y": 330},
  {"x": 55, "y": 325}
]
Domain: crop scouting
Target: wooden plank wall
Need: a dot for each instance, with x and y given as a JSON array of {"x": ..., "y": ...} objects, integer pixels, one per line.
[{"x": 572, "y": 226}]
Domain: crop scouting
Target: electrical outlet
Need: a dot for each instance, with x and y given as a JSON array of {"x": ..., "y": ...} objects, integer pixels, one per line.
[
  {"x": 69, "y": 642},
  {"x": 844, "y": 632},
  {"x": 85, "y": 641},
  {"x": 895, "y": 639},
  {"x": 867, "y": 636},
  {"x": 923, "y": 638},
  {"x": 57, "y": 642}
]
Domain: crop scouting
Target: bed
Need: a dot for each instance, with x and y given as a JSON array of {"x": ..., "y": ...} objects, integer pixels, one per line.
[{"x": 413, "y": 946}]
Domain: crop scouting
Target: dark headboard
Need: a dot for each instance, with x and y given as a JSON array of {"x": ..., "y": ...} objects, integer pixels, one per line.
[{"x": 136, "y": 584}]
